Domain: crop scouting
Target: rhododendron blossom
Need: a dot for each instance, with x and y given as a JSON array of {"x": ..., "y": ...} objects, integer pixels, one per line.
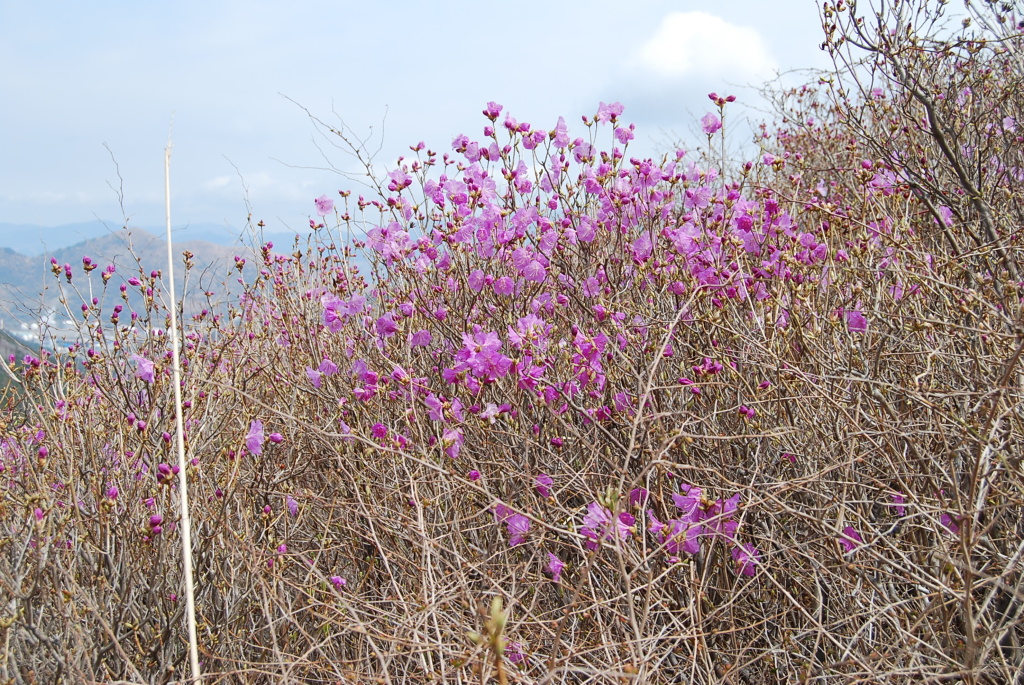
[
  {"x": 144, "y": 368},
  {"x": 746, "y": 557},
  {"x": 599, "y": 524},
  {"x": 324, "y": 205},
  {"x": 518, "y": 526},
  {"x": 254, "y": 439},
  {"x": 710, "y": 124},
  {"x": 850, "y": 539}
]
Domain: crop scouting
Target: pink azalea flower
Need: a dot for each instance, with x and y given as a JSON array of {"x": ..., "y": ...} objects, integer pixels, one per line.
[
  {"x": 493, "y": 110},
  {"x": 419, "y": 338},
  {"x": 514, "y": 652},
  {"x": 504, "y": 286},
  {"x": 452, "y": 440},
  {"x": 688, "y": 503},
  {"x": 598, "y": 524},
  {"x": 518, "y": 528},
  {"x": 517, "y": 525},
  {"x": 655, "y": 526},
  {"x": 324, "y": 205},
  {"x": 542, "y": 484},
  {"x": 718, "y": 517},
  {"x": 609, "y": 112},
  {"x": 144, "y": 368},
  {"x": 555, "y": 567},
  {"x": 746, "y": 557},
  {"x": 254, "y": 440},
  {"x": 710, "y": 124},
  {"x": 638, "y": 497},
  {"x": 681, "y": 536},
  {"x": 855, "y": 321},
  {"x": 850, "y": 539},
  {"x": 399, "y": 180},
  {"x": 561, "y": 133},
  {"x": 898, "y": 502},
  {"x": 386, "y": 326}
]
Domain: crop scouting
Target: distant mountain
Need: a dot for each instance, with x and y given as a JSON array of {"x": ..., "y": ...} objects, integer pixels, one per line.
[
  {"x": 34, "y": 240},
  {"x": 11, "y": 346},
  {"x": 30, "y": 292}
]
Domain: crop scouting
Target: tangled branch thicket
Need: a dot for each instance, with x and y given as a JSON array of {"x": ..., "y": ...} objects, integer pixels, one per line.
[{"x": 769, "y": 419}]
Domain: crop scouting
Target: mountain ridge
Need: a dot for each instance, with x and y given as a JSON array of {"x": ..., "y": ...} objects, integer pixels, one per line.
[
  {"x": 29, "y": 291},
  {"x": 20, "y": 236}
]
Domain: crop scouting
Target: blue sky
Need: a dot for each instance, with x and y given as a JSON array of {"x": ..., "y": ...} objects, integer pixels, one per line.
[{"x": 77, "y": 76}]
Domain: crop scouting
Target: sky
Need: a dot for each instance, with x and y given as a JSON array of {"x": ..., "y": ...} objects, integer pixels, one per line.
[{"x": 90, "y": 90}]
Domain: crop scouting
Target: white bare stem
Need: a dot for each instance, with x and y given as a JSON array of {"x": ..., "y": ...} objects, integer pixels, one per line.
[{"x": 186, "y": 523}]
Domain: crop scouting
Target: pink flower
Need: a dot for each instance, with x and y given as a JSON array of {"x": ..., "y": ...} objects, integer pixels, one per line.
[
  {"x": 638, "y": 497},
  {"x": 399, "y": 180},
  {"x": 688, "y": 503},
  {"x": 144, "y": 368},
  {"x": 746, "y": 557},
  {"x": 254, "y": 440},
  {"x": 950, "y": 523},
  {"x": 474, "y": 475},
  {"x": 710, "y": 124},
  {"x": 517, "y": 525},
  {"x": 386, "y": 326},
  {"x": 419, "y": 338},
  {"x": 514, "y": 652},
  {"x": 609, "y": 112},
  {"x": 678, "y": 536},
  {"x": 718, "y": 517},
  {"x": 898, "y": 502},
  {"x": 452, "y": 440},
  {"x": 850, "y": 539},
  {"x": 492, "y": 111},
  {"x": 855, "y": 321},
  {"x": 555, "y": 567},
  {"x": 338, "y": 582},
  {"x": 534, "y": 271},
  {"x": 504, "y": 286},
  {"x": 542, "y": 484},
  {"x": 293, "y": 506},
  {"x": 561, "y": 132},
  {"x": 324, "y": 205},
  {"x": 655, "y": 526},
  {"x": 598, "y": 524}
]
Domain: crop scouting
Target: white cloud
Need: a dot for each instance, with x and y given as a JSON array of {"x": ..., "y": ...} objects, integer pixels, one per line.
[
  {"x": 218, "y": 182},
  {"x": 702, "y": 44}
]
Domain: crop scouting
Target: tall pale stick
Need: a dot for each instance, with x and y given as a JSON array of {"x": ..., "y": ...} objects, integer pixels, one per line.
[{"x": 186, "y": 521}]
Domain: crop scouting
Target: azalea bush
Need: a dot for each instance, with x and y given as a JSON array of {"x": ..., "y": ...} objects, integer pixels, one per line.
[{"x": 539, "y": 410}]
